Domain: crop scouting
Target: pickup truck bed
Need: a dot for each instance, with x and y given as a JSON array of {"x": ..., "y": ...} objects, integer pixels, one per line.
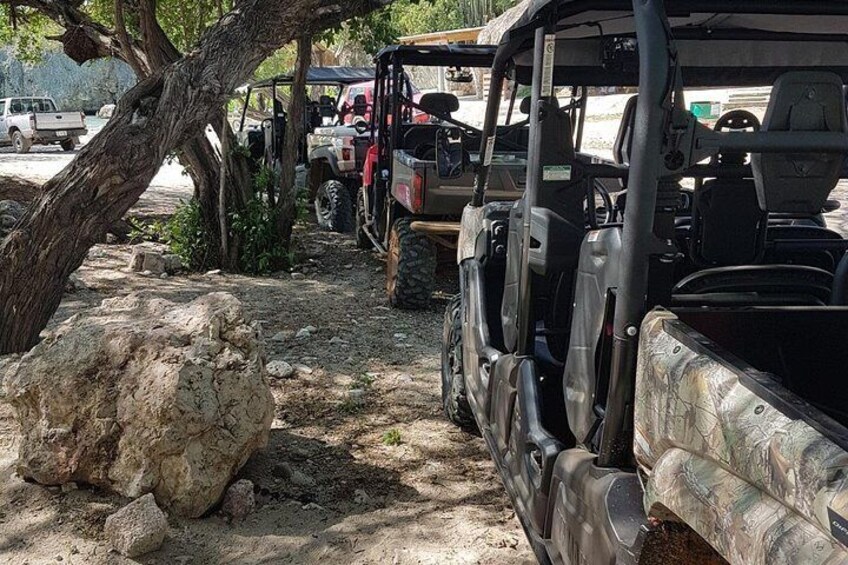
[{"x": 741, "y": 429}]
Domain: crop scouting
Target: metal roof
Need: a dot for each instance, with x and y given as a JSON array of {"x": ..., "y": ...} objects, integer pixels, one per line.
[
  {"x": 324, "y": 75},
  {"x": 719, "y": 42},
  {"x": 440, "y": 55}
]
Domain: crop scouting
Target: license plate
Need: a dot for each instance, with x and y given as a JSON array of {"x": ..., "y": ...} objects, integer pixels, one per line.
[{"x": 62, "y": 133}]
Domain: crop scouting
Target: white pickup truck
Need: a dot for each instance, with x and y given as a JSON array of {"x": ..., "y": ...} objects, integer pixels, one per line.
[{"x": 26, "y": 121}]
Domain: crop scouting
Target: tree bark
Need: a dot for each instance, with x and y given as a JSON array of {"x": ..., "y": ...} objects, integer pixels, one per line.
[
  {"x": 109, "y": 174},
  {"x": 287, "y": 204}
]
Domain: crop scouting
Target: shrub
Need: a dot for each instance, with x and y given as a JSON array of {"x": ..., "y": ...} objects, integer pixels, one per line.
[
  {"x": 392, "y": 438},
  {"x": 186, "y": 237},
  {"x": 255, "y": 227}
]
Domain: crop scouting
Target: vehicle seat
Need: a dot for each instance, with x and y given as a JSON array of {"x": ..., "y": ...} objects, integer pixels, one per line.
[
  {"x": 623, "y": 145},
  {"x": 728, "y": 227},
  {"x": 326, "y": 107},
  {"x": 792, "y": 182},
  {"x": 557, "y": 229},
  {"x": 439, "y": 104},
  {"x": 360, "y": 107}
]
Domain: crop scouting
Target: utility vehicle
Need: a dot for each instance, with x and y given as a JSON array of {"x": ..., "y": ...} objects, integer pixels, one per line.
[
  {"x": 332, "y": 150},
  {"x": 669, "y": 389},
  {"x": 29, "y": 121}
]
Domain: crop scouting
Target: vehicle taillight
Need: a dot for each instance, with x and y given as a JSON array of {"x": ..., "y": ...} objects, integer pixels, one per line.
[
  {"x": 412, "y": 197},
  {"x": 32, "y": 121},
  {"x": 346, "y": 153}
]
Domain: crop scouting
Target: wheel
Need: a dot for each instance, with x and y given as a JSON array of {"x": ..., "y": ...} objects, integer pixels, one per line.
[
  {"x": 21, "y": 143},
  {"x": 454, "y": 398},
  {"x": 362, "y": 240},
  {"x": 333, "y": 207},
  {"x": 411, "y": 267},
  {"x": 68, "y": 145}
]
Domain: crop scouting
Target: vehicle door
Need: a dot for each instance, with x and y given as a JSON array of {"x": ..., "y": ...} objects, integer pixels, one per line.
[{"x": 4, "y": 127}]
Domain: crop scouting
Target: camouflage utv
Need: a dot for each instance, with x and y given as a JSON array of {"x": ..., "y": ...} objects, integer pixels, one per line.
[{"x": 666, "y": 389}]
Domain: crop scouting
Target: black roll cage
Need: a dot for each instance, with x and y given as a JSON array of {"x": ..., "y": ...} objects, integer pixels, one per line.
[{"x": 662, "y": 126}]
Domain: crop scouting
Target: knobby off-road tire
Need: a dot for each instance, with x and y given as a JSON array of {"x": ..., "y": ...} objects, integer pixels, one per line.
[
  {"x": 333, "y": 207},
  {"x": 410, "y": 267},
  {"x": 454, "y": 398},
  {"x": 362, "y": 240},
  {"x": 21, "y": 143}
]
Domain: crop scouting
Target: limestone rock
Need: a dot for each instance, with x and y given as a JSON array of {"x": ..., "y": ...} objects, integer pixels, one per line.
[
  {"x": 280, "y": 369},
  {"x": 154, "y": 260},
  {"x": 143, "y": 395},
  {"x": 137, "y": 528},
  {"x": 239, "y": 500}
]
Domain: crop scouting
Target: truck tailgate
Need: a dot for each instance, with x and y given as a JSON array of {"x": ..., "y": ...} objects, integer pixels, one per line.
[{"x": 58, "y": 121}]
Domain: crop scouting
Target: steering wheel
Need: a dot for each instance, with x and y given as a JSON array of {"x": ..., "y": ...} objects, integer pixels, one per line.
[{"x": 604, "y": 208}]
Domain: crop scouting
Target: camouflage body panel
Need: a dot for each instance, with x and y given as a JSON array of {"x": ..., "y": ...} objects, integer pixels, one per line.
[
  {"x": 473, "y": 222},
  {"x": 759, "y": 486}
]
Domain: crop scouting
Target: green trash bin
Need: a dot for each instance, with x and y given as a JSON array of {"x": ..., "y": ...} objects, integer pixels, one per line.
[{"x": 706, "y": 110}]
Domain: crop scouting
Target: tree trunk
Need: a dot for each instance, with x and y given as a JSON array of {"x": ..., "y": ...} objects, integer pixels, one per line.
[
  {"x": 287, "y": 204},
  {"x": 108, "y": 175}
]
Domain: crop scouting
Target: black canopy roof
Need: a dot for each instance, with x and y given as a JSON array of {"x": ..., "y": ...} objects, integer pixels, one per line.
[
  {"x": 439, "y": 55},
  {"x": 719, "y": 42},
  {"x": 330, "y": 76}
]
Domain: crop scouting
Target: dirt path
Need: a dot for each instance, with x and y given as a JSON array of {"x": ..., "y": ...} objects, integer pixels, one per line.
[{"x": 331, "y": 489}]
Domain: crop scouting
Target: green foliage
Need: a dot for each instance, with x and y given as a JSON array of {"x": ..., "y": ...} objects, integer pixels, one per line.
[
  {"x": 186, "y": 237},
  {"x": 256, "y": 228},
  {"x": 363, "y": 381},
  {"x": 26, "y": 37},
  {"x": 392, "y": 438},
  {"x": 155, "y": 231}
]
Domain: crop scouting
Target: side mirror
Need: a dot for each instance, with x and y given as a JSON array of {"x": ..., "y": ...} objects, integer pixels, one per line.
[{"x": 450, "y": 153}]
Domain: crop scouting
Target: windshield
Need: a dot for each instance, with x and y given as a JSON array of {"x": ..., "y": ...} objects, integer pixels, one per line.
[{"x": 27, "y": 105}]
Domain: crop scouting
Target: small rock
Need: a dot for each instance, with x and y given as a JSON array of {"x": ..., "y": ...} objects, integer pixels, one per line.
[
  {"x": 361, "y": 497},
  {"x": 112, "y": 239},
  {"x": 402, "y": 345},
  {"x": 303, "y": 369},
  {"x": 303, "y": 333},
  {"x": 280, "y": 369},
  {"x": 214, "y": 272},
  {"x": 400, "y": 336},
  {"x": 336, "y": 340},
  {"x": 163, "y": 276},
  {"x": 312, "y": 506},
  {"x": 297, "y": 276},
  {"x": 239, "y": 500},
  {"x": 146, "y": 273},
  {"x": 68, "y": 487},
  {"x": 279, "y": 336},
  {"x": 173, "y": 263},
  {"x": 356, "y": 395},
  {"x": 349, "y": 266},
  {"x": 311, "y": 329},
  {"x": 137, "y": 528},
  {"x": 405, "y": 378},
  {"x": 378, "y": 269},
  {"x": 297, "y": 477}
]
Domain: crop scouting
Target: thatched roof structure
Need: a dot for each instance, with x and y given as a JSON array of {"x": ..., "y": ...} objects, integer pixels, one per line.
[{"x": 494, "y": 30}]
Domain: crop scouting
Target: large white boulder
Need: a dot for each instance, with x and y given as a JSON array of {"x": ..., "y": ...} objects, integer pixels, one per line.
[{"x": 143, "y": 395}]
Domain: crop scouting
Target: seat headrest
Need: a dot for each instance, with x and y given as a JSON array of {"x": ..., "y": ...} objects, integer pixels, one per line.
[
  {"x": 524, "y": 106},
  {"x": 799, "y": 183},
  {"x": 439, "y": 102},
  {"x": 360, "y": 105}
]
